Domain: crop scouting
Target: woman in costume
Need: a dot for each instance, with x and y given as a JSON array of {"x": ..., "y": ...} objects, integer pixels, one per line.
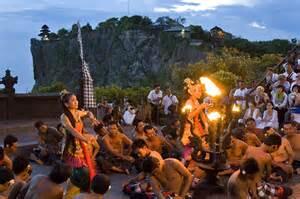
[{"x": 76, "y": 151}]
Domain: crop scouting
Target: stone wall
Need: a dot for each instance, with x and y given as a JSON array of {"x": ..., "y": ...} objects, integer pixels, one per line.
[{"x": 28, "y": 106}]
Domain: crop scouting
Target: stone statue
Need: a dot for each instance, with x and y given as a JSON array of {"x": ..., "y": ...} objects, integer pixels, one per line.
[{"x": 9, "y": 82}]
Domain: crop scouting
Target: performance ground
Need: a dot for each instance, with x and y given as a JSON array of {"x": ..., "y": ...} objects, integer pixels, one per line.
[{"x": 27, "y": 136}]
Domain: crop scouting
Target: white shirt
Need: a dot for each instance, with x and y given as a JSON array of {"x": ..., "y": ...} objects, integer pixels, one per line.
[
  {"x": 153, "y": 96},
  {"x": 292, "y": 76},
  {"x": 272, "y": 79},
  {"x": 241, "y": 93},
  {"x": 168, "y": 101}
]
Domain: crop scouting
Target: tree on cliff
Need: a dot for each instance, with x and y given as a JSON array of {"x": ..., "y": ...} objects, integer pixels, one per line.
[
  {"x": 44, "y": 33},
  {"x": 63, "y": 33}
]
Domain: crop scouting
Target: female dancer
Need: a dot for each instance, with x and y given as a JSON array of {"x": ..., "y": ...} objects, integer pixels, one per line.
[{"x": 76, "y": 153}]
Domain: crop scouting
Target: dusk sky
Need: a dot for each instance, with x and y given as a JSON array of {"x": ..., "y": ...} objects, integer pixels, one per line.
[{"x": 21, "y": 20}]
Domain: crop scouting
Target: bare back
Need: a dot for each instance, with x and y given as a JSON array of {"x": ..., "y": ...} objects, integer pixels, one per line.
[
  {"x": 42, "y": 187},
  {"x": 263, "y": 159}
]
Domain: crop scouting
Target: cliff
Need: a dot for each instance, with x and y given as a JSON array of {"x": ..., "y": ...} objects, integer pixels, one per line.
[{"x": 124, "y": 58}]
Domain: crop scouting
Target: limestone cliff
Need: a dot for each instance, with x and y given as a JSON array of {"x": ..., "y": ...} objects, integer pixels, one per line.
[{"x": 123, "y": 58}]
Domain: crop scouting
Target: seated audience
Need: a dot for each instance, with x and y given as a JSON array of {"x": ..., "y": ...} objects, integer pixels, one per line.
[
  {"x": 270, "y": 117},
  {"x": 280, "y": 99}
]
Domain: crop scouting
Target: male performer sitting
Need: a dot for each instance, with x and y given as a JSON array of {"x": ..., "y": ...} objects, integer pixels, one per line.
[
  {"x": 118, "y": 148},
  {"x": 290, "y": 130},
  {"x": 171, "y": 176}
]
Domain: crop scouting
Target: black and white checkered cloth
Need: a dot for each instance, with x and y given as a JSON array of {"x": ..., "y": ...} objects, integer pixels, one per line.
[{"x": 89, "y": 100}]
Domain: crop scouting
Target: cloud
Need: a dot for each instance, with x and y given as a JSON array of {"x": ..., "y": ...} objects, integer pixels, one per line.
[
  {"x": 254, "y": 24},
  {"x": 203, "y": 5}
]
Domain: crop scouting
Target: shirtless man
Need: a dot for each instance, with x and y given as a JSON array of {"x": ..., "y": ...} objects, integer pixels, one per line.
[
  {"x": 156, "y": 142},
  {"x": 139, "y": 130},
  {"x": 251, "y": 128},
  {"x": 4, "y": 159},
  {"x": 236, "y": 150},
  {"x": 249, "y": 138},
  {"x": 171, "y": 176},
  {"x": 10, "y": 146},
  {"x": 6, "y": 179},
  {"x": 140, "y": 148},
  {"x": 290, "y": 131},
  {"x": 240, "y": 184},
  {"x": 99, "y": 186},
  {"x": 262, "y": 155},
  {"x": 115, "y": 144},
  {"x": 48, "y": 187},
  {"x": 282, "y": 159}
]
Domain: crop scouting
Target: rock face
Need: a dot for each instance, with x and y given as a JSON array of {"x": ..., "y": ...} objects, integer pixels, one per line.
[{"x": 128, "y": 58}]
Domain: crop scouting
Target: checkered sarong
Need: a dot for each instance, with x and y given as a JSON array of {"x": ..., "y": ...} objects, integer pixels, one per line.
[{"x": 89, "y": 100}]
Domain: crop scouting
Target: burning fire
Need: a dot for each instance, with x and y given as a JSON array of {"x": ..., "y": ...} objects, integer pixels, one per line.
[
  {"x": 210, "y": 87},
  {"x": 186, "y": 108},
  {"x": 213, "y": 116},
  {"x": 235, "y": 108}
]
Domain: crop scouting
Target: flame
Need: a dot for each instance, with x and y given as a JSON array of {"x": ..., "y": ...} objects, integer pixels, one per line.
[
  {"x": 187, "y": 108},
  {"x": 236, "y": 108},
  {"x": 210, "y": 87},
  {"x": 213, "y": 116}
]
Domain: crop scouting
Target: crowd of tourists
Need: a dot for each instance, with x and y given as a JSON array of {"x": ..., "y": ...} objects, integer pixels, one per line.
[{"x": 262, "y": 150}]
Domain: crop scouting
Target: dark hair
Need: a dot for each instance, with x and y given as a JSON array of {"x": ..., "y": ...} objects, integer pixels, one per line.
[
  {"x": 5, "y": 175},
  {"x": 272, "y": 139},
  {"x": 98, "y": 127},
  {"x": 139, "y": 143},
  {"x": 280, "y": 86},
  {"x": 249, "y": 166},
  {"x": 249, "y": 119},
  {"x": 149, "y": 164},
  {"x": 296, "y": 86},
  {"x": 107, "y": 118},
  {"x": 173, "y": 121},
  {"x": 65, "y": 99},
  {"x": 1, "y": 153},
  {"x": 19, "y": 164},
  {"x": 9, "y": 140},
  {"x": 38, "y": 124},
  {"x": 147, "y": 127},
  {"x": 293, "y": 123},
  {"x": 156, "y": 85},
  {"x": 238, "y": 133},
  {"x": 112, "y": 123},
  {"x": 136, "y": 122},
  {"x": 59, "y": 126},
  {"x": 100, "y": 184},
  {"x": 267, "y": 128},
  {"x": 60, "y": 173},
  {"x": 80, "y": 177}
]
